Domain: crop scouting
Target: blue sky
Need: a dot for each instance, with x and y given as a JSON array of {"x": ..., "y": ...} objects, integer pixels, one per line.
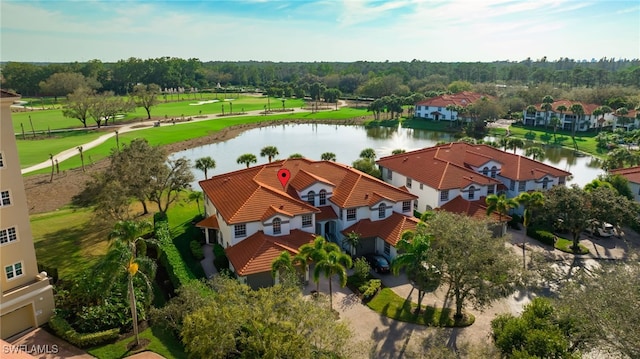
[{"x": 319, "y": 30}]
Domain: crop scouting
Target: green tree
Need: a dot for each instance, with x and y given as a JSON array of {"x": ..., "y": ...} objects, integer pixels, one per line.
[
  {"x": 459, "y": 86},
  {"x": 368, "y": 153},
  {"x": 569, "y": 209},
  {"x": 328, "y": 156},
  {"x": 64, "y": 83},
  {"x": 535, "y": 152},
  {"x": 81, "y": 151},
  {"x": 620, "y": 183},
  {"x": 541, "y": 331},
  {"x": 413, "y": 256},
  {"x": 367, "y": 166},
  {"x": 196, "y": 196},
  {"x": 296, "y": 155},
  {"x": 335, "y": 263},
  {"x": 79, "y": 104},
  {"x": 247, "y": 159},
  {"x": 530, "y": 201},
  {"x": 283, "y": 267},
  {"x": 398, "y": 151},
  {"x": 477, "y": 267},
  {"x": 171, "y": 178},
  {"x": 332, "y": 95},
  {"x": 514, "y": 143},
  {"x": 146, "y": 96},
  {"x": 315, "y": 252},
  {"x": 270, "y": 152},
  {"x": 555, "y": 122},
  {"x": 204, "y": 164},
  {"x": 500, "y": 204},
  {"x": 578, "y": 112},
  {"x": 352, "y": 241},
  {"x": 547, "y": 106}
]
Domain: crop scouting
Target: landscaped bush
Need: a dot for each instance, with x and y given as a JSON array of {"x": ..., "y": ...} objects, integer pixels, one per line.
[
  {"x": 370, "y": 288},
  {"x": 541, "y": 235},
  {"x": 196, "y": 250},
  {"x": 64, "y": 330},
  {"x": 179, "y": 273},
  {"x": 361, "y": 270}
]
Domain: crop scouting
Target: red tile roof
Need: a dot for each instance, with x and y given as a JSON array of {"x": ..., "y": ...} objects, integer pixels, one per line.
[
  {"x": 5, "y": 93},
  {"x": 389, "y": 229},
  {"x": 448, "y": 166},
  {"x": 246, "y": 195},
  {"x": 632, "y": 174},
  {"x": 209, "y": 222},
  {"x": 460, "y": 99},
  {"x": 588, "y": 107},
  {"x": 475, "y": 209},
  {"x": 255, "y": 253},
  {"x": 326, "y": 213}
]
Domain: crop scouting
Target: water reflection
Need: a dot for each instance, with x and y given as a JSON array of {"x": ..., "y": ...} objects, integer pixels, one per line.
[{"x": 311, "y": 140}]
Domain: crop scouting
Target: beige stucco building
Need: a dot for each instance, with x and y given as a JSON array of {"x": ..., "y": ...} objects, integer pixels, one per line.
[{"x": 27, "y": 296}]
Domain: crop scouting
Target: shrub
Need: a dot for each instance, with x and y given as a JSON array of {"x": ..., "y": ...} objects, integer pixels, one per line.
[
  {"x": 179, "y": 273},
  {"x": 218, "y": 250},
  {"x": 515, "y": 221},
  {"x": 370, "y": 288},
  {"x": 221, "y": 263},
  {"x": 361, "y": 270},
  {"x": 196, "y": 250},
  {"x": 159, "y": 217},
  {"x": 541, "y": 235},
  {"x": 64, "y": 330}
]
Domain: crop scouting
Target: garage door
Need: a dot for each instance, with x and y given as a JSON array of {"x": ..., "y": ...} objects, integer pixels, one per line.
[
  {"x": 17, "y": 321},
  {"x": 366, "y": 245}
]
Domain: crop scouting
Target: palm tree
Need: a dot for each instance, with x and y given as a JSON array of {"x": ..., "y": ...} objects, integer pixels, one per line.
[
  {"x": 554, "y": 122},
  {"x": 578, "y": 112},
  {"x": 530, "y": 201},
  {"x": 122, "y": 257},
  {"x": 296, "y": 155},
  {"x": 531, "y": 109},
  {"x": 52, "y": 167},
  {"x": 247, "y": 158},
  {"x": 515, "y": 143},
  {"x": 547, "y": 103},
  {"x": 535, "y": 152},
  {"x": 398, "y": 151},
  {"x": 368, "y": 153},
  {"x": 283, "y": 266},
  {"x": 500, "y": 204},
  {"x": 352, "y": 239},
  {"x": 270, "y": 152},
  {"x": 414, "y": 248},
  {"x": 621, "y": 113},
  {"x": 81, "y": 150},
  {"x": 196, "y": 196},
  {"x": 204, "y": 164},
  {"x": 335, "y": 263},
  {"x": 561, "y": 109},
  {"x": 328, "y": 156},
  {"x": 315, "y": 252}
]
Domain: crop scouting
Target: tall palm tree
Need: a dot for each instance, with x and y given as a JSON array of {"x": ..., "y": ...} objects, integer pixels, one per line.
[
  {"x": 398, "y": 151},
  {"x": 247, "y": 158},
  {"x": 535, "y": 152},
  {"x": 547, "y": 103},
  {"x": 368, "y": 153},
  {"x": 81, "y": 150},
  {"x": 530, "y": 201},
  {"x": 352, "y": 239},
  {"x": 500, "y": 204},
  {"x": 315, "y": 252},
  {"x": 283, "y": 266},
  {"x": 196, "y": 196},
  {"x": 270, "y": 152},
  {"x": 622, "y": 113},
  {"x": 554, "y": 122},
  {"x": 204, "y": 164},
  {"x": 515, "y": 143},
  {"x": 562, "y": 109},
  {"x": 578, "y": 112},
  {"x": 328, "y": 156},
  {"x": 335, "y": 263},
  {"x": 295, "y": 155},
  {"x": 531, "y": 109}
]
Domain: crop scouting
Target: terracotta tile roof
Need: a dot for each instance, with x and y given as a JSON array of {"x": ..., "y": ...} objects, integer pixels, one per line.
[
  {"x": 6, "y": 94},
  {"x": 460, "y": 99},
  {"x": 305, "y": 179},
  {"x": 255, "y": 253},
  {"x": 588, "y": 107},
  {"x": 246, "y": 195},
  {"x": 448, "y": 166},
  {"x": 326, "y": 213},
  {"x": 389, "y": 229},
  {"x": 632, "y": 174},
  {"x": 475, "y": 209},
  {"x": 209, "y": 222}
]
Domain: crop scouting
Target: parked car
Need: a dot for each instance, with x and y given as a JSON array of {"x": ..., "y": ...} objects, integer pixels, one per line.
[
  {"x": 603, "y": 229},
  {"x": 378, "y": 263}
]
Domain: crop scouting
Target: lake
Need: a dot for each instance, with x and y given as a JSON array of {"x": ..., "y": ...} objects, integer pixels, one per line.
[{"x": 311, "y": 140}]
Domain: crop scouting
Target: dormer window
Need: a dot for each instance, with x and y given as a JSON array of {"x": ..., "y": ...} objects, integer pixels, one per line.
[
  {"x": 277, "y": 226},
  {"x": 382, "y": 210},
  {"x": 472, "y": 192},
  {"x": 485, "y": 171},
  {"x": 322, "y": 197},
  {"x": 494, "y": 170},
  {"x": 311, "y": 198}
]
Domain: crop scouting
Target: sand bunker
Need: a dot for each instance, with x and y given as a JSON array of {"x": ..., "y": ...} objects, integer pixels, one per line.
[{"x": 204, "y": 102}]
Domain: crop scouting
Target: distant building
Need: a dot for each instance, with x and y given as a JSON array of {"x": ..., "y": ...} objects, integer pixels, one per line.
[
  {"x": 588, "y": 121},
  {"x": 254, "y": 218},
  {"x": 27, "y": 297},
  {"x": 632, "y": 174},
  {"x": 443, "y": 107}
]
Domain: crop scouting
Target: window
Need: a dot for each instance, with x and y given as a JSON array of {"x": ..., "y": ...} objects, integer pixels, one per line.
[
  {"x": 306, "y": 220},
  {"x": 545, "y": 183},
  {"x": 323, "y": 197},
  {"x": 494, "y": 170},
  {"x": 406, "y": 206},
  {"x": 415, "y": 205},
  {"x": 8, "y": 235},
  {"x": 1, "y": 161},
  {"x": 421, "y": 186},
  {"x": 5, "y": 200},
  {"x": 444, "y": 195},
  {"x": 351, "y": 214},
  {"x": 561, "y": 180},
  {"x": 491, "y": 189},
  {"x": 387, "y": 248},
  {"x": 512, "y": 185},
  {"x": 389, "y": 173},
  {"x": 382, "y": 210},
  {"x": 522, "y": 186},
  {"x": 240, "y": 230},
  {"x": 472, "y": 193},
  {"x": 408, "y": 182},
  {"x": 311, "y": 198},
  {"x": 277, "y": 226},
  {"x": 13, "y": 271},
  {"x": 485, "y": 171}
]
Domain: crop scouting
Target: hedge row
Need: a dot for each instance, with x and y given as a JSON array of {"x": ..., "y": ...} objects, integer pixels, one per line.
[
  {"x": 542, "y": 235},
  {"x": 63, "y": 329},
  {"x": 179, "y": 273}
]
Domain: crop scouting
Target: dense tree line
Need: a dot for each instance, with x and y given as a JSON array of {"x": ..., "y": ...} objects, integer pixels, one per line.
[{"x": 361, "y": 77}]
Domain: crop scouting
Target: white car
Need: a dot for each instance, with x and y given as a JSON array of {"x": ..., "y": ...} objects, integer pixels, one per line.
[{"x": 601, "y": 230}]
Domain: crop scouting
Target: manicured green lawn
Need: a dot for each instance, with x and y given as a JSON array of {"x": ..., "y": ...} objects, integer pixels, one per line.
[
  {"x": 586, "y": 141},
  {"x": 391, "y": 305},
  {"x": 565, "y": 245},
  {"x": 162, "y": 342},
  {"x": 33, "y": 151}
]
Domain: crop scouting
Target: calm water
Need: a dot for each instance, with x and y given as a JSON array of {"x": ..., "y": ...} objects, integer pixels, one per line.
[{"x": 311, "y": 140}]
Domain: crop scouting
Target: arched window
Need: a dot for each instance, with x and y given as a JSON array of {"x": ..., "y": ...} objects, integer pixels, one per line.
[
  {"x": 485, "y": 171},
  {"x": 494, "y": 170},
  {"x": 311, "y": 198},
  {"x": 382, "y": 209},
  {"x": 277, "y": 226},
  {"x": 322, "y": 197},
  {"x": 472, "y": 192},
  {"x": 545, "y": 183}
]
